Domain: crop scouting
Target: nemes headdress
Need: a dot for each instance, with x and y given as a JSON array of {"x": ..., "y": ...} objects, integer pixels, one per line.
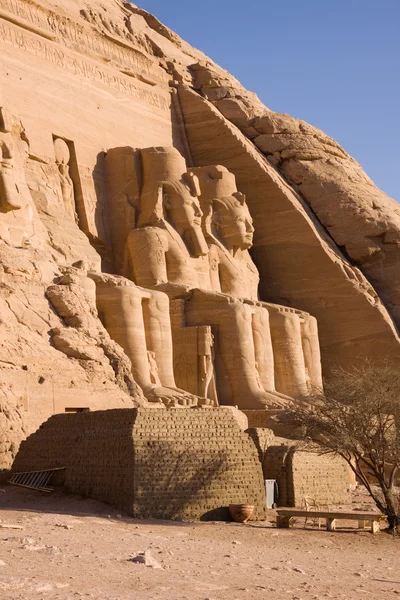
[{"x": 163, "y": 168}]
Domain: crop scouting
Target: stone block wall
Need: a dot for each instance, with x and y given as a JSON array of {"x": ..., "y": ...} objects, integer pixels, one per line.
[
  {"x": 152, "y": 463},
  {"x": 323, "y": 478},
  {"x": 302, "y": 474},
  {"x": 263, "y": 438}
]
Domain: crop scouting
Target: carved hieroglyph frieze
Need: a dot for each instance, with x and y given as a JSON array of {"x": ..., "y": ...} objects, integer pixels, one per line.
[
  {"x": 65, "y": 31},
  {"x": 87, "y": 69}
]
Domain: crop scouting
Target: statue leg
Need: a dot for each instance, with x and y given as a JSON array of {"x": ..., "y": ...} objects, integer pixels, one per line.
[
  {"x": 311, "y": 350},
  {"x": 138, "y": 320},
  {"x": 290, "y": 369},
  {"x": 238, "y": 381},
  {"x": 120, "y": 310},
  {"x": 263, "y": 347},
  {"x": 10, "y": 199},
  {"x": 158, "y": 335}
]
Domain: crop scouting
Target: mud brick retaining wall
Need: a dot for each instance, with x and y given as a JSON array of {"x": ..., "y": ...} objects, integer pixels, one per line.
[
  {"x": 152, "y": 463},
  {"x": 300, "y": 474}
]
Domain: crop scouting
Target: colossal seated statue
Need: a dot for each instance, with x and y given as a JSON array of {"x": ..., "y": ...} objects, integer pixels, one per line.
[
  {"x": 138, "y": 320},
  {"x": 228, "y": 228},
  {"x": 263, "y": 353}
]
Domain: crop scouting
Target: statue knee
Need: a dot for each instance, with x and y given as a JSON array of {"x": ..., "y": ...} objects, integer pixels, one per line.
[
  {"x": 286, "y": 324},
  {"x": 159, "y": 301}
]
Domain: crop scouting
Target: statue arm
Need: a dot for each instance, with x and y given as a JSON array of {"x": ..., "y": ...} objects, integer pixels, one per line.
[
  {"x": 214, "y": 268},
  {"x": 147, "y": 249},
  {"x": 208, "y": 296},
  {"x": 146, "y": 256}
]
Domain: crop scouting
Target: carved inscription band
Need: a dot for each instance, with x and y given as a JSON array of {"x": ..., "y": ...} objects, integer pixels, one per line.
[
  {"x": 77, "y": 66},
  {"x": 72, "y": 34}
]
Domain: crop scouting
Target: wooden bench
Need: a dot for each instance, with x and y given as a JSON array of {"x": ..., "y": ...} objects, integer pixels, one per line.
[{"x": 285, "y": 515}]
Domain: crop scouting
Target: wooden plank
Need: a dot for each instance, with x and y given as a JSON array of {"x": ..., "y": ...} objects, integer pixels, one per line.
[
  {"x": 293, "y": 512},
  {"x": 283, "y": 522},
  {"x": 41, "y": 489},
  {"x": 331, "y": 524}
]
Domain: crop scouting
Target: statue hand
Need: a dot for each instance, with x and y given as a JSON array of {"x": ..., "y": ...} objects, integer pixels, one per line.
[
  {"x": 200, "y": 295},
  {"x": 174, "y": 290}
]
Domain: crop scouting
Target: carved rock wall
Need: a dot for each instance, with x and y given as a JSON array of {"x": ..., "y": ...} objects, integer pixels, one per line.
[
  {"x": 299, "y": 264},
  {"x": 152, "y": 463},
  {"x": 93, "y": 77},
  {"x": 63, "y": 78},
  {"x": 362, "y": 220}
]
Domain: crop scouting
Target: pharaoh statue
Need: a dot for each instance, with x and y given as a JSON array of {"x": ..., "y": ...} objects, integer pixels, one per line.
[
  {"x": 19, "y": 223},
  {"x": 10, "y": 197},
  {"x": 63, "y": 157},
  {"x": 138, "y": 320},
  {"x": 169, "y": 252},
  {"x": 228, "y": 228}
]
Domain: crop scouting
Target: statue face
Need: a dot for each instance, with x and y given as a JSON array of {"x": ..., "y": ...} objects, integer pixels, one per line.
[
  {"x": 235, "y": 225},
  {"x": 183, "y": 209}
]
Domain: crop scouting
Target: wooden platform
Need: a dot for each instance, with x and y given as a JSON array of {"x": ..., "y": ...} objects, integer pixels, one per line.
[{"x": 285, "y": 515}]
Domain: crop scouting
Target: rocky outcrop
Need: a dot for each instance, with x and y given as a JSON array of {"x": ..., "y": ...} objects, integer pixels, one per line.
[
  {"x": 362, "y": 220},
  {"x": 12, "y": 427},
  {"x": 85, "y": 338},
  {"x": 299, "y": 264},
  {"x": 109, "y": 76}
]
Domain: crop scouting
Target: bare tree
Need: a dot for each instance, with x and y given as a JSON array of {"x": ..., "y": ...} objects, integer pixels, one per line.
[{"x": 357, "y": 417}]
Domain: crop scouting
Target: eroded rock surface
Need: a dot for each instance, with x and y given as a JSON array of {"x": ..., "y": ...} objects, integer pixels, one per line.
[
  {"x": 81, "y": 82},
  {"x": 362, "y": 220}
]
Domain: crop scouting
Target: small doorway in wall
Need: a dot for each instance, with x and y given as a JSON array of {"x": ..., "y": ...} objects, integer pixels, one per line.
[{"x": 76, "y": 410}]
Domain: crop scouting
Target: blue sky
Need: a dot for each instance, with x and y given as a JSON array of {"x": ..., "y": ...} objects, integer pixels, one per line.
[{"x": 333, "y": 63}]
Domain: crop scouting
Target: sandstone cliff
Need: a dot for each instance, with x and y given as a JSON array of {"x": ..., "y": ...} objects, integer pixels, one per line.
[{"x": 109, "y": 75}]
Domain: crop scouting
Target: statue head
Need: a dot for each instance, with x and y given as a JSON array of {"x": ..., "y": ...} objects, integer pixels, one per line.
[
  {"x": 170, "y": 195},
  {"x": 61, "y": 151},
  {"x": 233, "y": 222},
  {"x": 226, "y": 215},
  {"x": 181, "y": 203}
]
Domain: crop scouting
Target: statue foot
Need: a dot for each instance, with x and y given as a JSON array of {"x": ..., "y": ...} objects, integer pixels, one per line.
[
  {"x": 171, "y": 397},
  {"x": 284, "y": 397},
  {"x": 263, "y": 401}
]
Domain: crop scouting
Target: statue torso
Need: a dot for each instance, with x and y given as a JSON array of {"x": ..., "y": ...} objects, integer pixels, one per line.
[
  {"x": 238, "y": 276},
  {"x": 153, "y": 247},
  {"x": 182, "y": 268}
]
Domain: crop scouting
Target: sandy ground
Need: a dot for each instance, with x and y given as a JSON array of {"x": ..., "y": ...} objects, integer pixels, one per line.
[{"x": 72, "y": 548}]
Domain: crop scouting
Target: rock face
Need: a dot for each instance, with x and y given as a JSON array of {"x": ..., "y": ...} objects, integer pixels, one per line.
[
  {"x": 129, "y": 162},
  {"x": 362, "y": 220}
]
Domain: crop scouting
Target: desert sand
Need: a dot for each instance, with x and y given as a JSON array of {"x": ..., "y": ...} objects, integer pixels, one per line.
[{"x": 71, "y": 548}]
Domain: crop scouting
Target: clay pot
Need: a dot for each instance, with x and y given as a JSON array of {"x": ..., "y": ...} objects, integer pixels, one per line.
[{"x": 241, "y": 512}]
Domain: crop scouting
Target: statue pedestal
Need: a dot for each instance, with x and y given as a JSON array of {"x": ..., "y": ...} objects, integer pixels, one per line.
[
  {"x": 152, "y": 463},
  {"x": 261, "y": 418},
  {"x": 269, "y": 419}
]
